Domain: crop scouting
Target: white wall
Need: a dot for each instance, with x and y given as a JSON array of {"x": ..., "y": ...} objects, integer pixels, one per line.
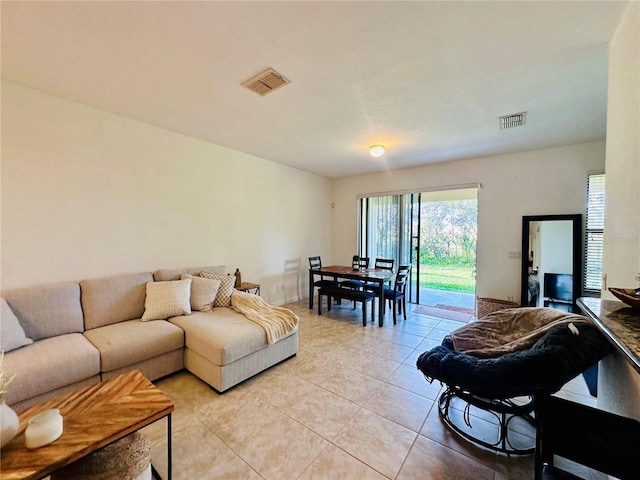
[
  {"x": 537, "y": 182},
  {"x": 621, "y": 262},
  {"x": 87, "y": 193},
  {"x": 618, "y": 383}
]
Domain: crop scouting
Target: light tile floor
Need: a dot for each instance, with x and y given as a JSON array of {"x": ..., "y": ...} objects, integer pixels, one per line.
[{"x": 350, "y": 405}]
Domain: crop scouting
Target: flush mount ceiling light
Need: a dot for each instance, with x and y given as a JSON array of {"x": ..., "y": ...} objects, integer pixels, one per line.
[{"x": 376, "y": 150}]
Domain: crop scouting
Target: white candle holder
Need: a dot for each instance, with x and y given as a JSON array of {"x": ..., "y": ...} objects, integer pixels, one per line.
[{"x": 43, "y": 428}]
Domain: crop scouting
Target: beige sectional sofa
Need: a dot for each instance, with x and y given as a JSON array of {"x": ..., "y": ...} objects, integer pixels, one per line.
[{"x": 77, "y": 334}]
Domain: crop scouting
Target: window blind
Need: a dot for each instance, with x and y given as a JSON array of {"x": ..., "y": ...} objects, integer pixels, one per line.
[{"x": 594, "y": 234}]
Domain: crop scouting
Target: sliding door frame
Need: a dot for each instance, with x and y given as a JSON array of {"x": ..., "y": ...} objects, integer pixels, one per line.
[{"x": 415, "y": 198}]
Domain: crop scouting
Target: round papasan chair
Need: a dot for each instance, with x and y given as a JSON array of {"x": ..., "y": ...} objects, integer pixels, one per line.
[{"x": 499, "y": 363}]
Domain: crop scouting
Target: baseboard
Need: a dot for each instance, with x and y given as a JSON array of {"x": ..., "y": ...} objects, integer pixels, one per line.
[{"x": 280, "y": 303}]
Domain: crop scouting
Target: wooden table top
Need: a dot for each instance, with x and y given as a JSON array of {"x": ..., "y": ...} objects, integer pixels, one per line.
[
  {"x": 347, "y": 271},
  {"x": 93, "y": 418}
]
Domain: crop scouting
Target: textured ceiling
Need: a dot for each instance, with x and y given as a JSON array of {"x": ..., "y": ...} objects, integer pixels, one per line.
[{"x": 428, "y": 79}]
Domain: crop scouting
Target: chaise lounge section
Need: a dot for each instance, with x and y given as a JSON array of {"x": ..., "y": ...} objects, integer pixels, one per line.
[{"x": 222, "y": 347}]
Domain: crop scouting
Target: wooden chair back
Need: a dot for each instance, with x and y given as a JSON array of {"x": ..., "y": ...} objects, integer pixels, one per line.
[
  {"x": 315, "y": 262},
  {"x": 402, "y": 278},
  {"x": 385, "y": 263},
  {"x": 362, "y": 262}
]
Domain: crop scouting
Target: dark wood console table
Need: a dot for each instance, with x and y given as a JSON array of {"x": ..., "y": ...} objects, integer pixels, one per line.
[{"x": 619, "y": 322}]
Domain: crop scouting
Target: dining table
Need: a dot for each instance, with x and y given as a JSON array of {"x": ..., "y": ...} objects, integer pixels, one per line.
[{"x": 376, "y": 276}]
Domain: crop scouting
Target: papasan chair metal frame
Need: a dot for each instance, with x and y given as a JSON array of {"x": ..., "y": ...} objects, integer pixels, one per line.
[
  {"x": 504, "y": 379},
  {"x": 504, "y": 410}
]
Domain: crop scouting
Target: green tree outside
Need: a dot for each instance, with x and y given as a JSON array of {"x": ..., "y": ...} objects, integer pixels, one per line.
[{"x": 448, "y": 234}]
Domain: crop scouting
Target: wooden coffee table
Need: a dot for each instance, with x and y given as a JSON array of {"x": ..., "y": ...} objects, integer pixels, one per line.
[{"x": 93, "y": 417}]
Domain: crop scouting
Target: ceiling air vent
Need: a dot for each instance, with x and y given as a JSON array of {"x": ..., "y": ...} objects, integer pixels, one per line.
[
  {"x": 513, "y": 120},
  {"x": 266, "y": 82}
]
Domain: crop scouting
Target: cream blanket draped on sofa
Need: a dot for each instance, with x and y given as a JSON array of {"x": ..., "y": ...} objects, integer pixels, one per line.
[{"x": 277, "y": 322}]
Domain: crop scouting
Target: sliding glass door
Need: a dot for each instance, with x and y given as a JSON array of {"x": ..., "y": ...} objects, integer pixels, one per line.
[{"x": 434, "y": 232}]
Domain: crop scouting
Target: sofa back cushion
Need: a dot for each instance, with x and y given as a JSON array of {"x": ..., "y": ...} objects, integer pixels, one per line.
[
  {"x": 47, "y": 310},
  {"x": 113, "y": 299},
  {"x": 12, "y": 334},
  {"x": 174, "y": 273}
]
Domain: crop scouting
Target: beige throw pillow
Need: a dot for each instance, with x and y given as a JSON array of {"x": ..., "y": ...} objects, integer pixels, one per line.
[
  {"x": 227, "y": 282},
  {"x": 167, "y": 299},
  {"x": 203, "y": 292},
  {"x": 12, "y": 334}
]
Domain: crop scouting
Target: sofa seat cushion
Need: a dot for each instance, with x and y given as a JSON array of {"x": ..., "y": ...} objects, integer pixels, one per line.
[
  {"x": 49, "y": 364},
  {"x": 126, "y": 343},
  {"x": 222, "y": 336}
]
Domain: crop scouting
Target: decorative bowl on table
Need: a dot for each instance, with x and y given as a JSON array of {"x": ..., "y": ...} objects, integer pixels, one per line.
[{"x": 627, "y": 295}]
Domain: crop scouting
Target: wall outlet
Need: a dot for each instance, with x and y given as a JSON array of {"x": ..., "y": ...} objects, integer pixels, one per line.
[{"x": 510, "y": 298}]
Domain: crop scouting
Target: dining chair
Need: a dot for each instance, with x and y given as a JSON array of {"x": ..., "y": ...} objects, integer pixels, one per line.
[
  {"x": 362, "y": 262},
  {"x": 397, "y": 293},
  {"x": 316, "y": 262},
  {"x": 382, "y": 264}
]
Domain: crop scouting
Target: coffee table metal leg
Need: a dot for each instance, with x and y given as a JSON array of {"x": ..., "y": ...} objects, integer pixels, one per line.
[{"x": 169, "y": 468}]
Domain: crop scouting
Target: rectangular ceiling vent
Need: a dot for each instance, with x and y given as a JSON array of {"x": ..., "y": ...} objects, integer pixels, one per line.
[
  {"x": 513, "y": 120},
  {"x": 266, "y": 82}
]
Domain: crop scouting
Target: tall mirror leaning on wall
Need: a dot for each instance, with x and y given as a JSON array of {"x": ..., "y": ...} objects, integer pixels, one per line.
[{"x": 551, "y": 261}]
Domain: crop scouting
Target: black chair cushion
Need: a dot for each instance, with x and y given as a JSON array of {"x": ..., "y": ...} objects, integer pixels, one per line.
[
  {"x": 355, "y": 284},
  {"x": 325, "y": 283},
  {"x": 375, "y": 287},
  {"x": 391, "y": 293},
  {"x": 552, "y": 361}
]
